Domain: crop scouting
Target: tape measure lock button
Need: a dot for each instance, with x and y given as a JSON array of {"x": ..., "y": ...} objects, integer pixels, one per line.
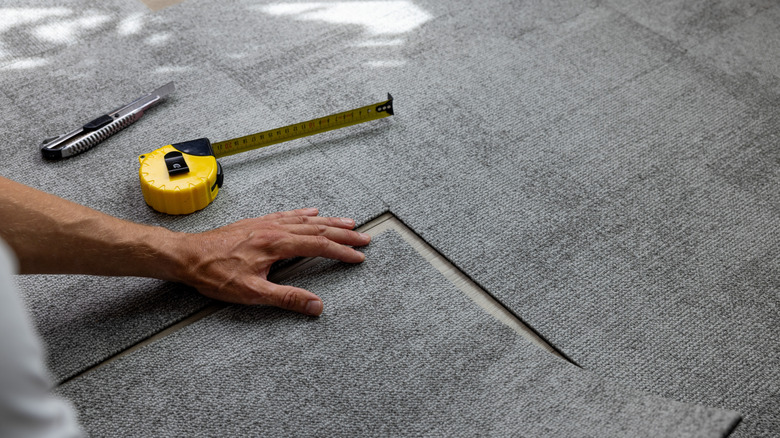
[{"x": 175, "y": 163}]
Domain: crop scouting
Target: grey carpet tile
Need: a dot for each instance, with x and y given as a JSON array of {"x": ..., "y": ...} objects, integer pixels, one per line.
[
  {"x": 637, "y": 233},
  {"x": 206, "y": 104},
  {"x": 446, "y": 99},
  {"x": 516, "y": 81},
  {"x": 32, "y": 30},
  {"x": 399, "y": 351},
  {"x": 690, "y": 23},
  {"x": 748, "y": 51},
  {"x": 85, "y": 320},
  {"x": 614, "y": 199},
  {"x": 273, "y": 40},
  {"x": 615, "y": 191},
  {"x": 81, "y": 82},
  {"x": 285, "y": 45}
]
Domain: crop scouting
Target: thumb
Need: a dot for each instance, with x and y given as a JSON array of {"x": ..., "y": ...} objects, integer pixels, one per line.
[{"x": 293, "y": 298}]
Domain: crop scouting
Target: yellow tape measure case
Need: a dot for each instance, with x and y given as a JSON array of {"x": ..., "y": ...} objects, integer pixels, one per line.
[{"x": 180, "y": 178}]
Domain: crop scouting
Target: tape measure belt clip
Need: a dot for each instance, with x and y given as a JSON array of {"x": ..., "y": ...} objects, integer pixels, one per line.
[
  {"x": 201, "y": 147},
  {"x": 175, "y": 163}
]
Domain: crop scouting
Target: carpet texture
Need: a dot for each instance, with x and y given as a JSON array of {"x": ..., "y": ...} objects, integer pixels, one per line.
[
  {"x": 607, "y": 169},
  {"x": 85, "y": 320},
  {"x": 399, "y": 351},
  {"x": 611, "y": 185},
  {"x": 30, "y": 31}
]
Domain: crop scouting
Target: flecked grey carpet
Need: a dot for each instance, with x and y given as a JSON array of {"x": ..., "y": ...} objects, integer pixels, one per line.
[
  {"x": 606, "y": 169},
  {"x": 86, "y": 320},
  {"x": 400, "y": 352}
]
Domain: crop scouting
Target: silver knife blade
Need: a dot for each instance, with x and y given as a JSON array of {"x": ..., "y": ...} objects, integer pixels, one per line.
[
  {"x": 144, "y": 102},
  {"x": 97, "y": 130}
]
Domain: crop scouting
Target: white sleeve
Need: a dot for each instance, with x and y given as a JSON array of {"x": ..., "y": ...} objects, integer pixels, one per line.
[{"x": 27, "y": 408}]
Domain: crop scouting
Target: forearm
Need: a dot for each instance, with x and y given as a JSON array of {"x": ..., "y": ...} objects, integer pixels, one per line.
[{"x": 53, "y": 235}]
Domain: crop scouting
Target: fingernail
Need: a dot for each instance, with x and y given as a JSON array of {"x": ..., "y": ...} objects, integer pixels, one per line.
[
  {"x": 310, "y": 210},
  {"x": 365, "y": 236},
  {"x": 348, "y": 222},
  {"x": 313, "y": 307}
]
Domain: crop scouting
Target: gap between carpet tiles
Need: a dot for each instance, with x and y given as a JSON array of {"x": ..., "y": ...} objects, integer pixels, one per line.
[{"x": 375, "y": 227}]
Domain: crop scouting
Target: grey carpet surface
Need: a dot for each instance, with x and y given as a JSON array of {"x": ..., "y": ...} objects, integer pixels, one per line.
[
  {"x": 31, "y": 31},
  {"x": 399, "y": 351},
  {"x": 86, "y": 320},
  {"x": 614, "y": 187},
  {"x": 606, "y": 169}
]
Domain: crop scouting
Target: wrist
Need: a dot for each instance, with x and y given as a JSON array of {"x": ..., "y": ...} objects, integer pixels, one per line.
[{"x": 169, "y": 255}]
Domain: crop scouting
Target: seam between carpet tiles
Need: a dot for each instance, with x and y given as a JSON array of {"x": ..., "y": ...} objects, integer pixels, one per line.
[
  {"x": 172, "y": 327},
  {"x": 186, "y": 320},
  {"x": 733, "y": 427},
  {"x": 683, "y": 53},
  {"x": 510, "y": 318},
  {"x": 383, "y": 222},
  {"x": 201, "y": 313},
  {"x": 462, "y": 281}
]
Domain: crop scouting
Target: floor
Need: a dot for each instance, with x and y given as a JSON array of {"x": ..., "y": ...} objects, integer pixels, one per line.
[
  {"x": 374, "y": 228},
  {"x": 582, "y": 197}
]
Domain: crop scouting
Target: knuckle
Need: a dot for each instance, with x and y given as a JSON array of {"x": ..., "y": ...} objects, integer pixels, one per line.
[
  {"x": 267, "y": 241},
  {"x": 322, "y": 242},
  {"x": 289, "y": 298},
  {"x": 272, "y": 216},
  {"x": 262, "y": 296}
]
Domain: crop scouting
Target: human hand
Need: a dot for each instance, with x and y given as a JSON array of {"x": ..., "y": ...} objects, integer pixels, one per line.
[{"x": 231, "y": 263}]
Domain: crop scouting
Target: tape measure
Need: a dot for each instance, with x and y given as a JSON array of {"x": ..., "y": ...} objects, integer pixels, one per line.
[{"x": 182, "y": 178}]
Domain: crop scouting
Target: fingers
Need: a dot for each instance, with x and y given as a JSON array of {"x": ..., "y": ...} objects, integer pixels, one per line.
[
  {"x": 239, "y": 256},
  {"x": 338, "y": 222},
  {"x": 291, "y": 298},
  {"x": 338, "y": 235},
  {"x": 291, "y": 213},
  {"x": 305, "y": 222},
  {"x": 308, "y": 216},
  {"x": 314, "y": 236},
  {"x": 294, "y": 245}
]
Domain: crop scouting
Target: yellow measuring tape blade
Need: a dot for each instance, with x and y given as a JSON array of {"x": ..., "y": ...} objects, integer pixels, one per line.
[{"x": 303, "y": 129}]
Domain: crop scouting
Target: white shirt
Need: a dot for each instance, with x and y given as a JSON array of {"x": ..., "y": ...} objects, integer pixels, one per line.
[{"x": 27, "y": 408}]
